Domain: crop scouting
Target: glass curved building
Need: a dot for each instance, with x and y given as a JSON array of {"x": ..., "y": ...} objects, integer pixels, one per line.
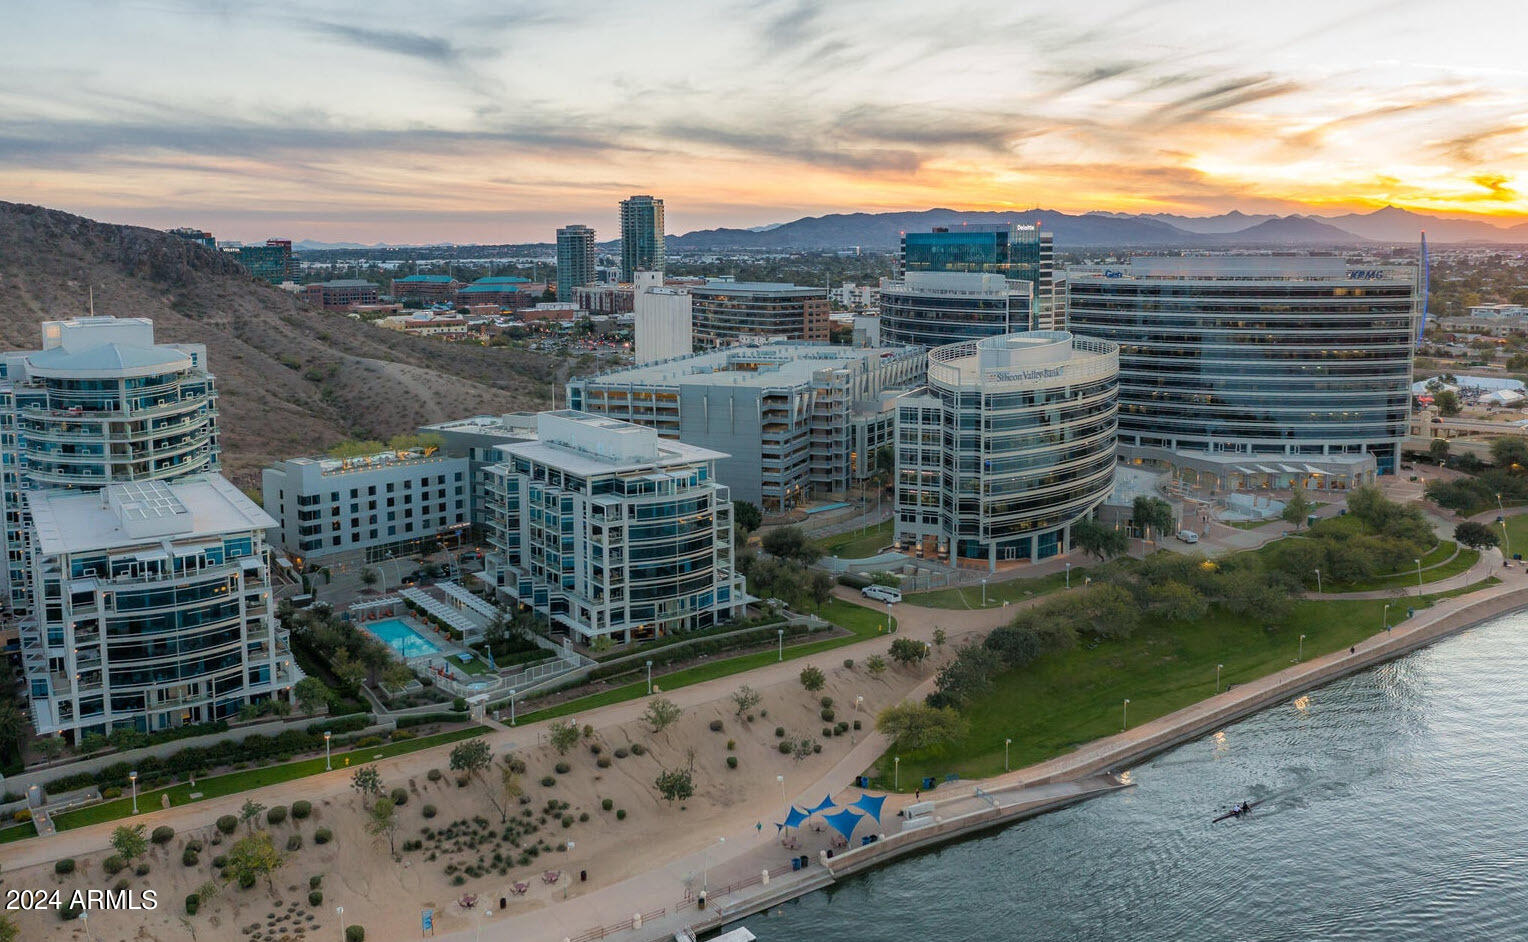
[
  {"x": 1009, "y": 444},
  {"x": 1255, "y": 372},
  {"x": 931, "y": 309}
]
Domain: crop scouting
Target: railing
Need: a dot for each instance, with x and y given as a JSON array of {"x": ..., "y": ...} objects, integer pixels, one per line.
[{"x": 600, "y": 932}]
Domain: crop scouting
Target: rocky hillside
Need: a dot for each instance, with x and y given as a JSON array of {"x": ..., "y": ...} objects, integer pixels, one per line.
[{"x": 292, "y": 379}]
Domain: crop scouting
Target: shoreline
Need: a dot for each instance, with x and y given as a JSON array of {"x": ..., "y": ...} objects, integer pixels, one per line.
[{"x": 1096, "y": 763}]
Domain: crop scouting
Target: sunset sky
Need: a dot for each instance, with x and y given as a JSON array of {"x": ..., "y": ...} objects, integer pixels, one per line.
[{"x": 492, "y": 122}]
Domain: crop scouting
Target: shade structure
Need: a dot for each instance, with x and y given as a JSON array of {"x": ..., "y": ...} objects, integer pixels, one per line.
[
  {"x": 824, "y": 805},
  {"x": 843, "y": 821},
  {"x": 794, "y": 818},
  {"x": 871, "y": 805}
]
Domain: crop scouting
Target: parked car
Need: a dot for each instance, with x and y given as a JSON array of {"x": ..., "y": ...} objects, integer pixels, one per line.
[
  {"x": 1188, "y": 536},
  {"x": 882, "y": 593}
]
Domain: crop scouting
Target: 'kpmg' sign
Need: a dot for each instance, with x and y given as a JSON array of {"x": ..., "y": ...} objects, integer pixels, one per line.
[{"x": 1366, "y": 274}]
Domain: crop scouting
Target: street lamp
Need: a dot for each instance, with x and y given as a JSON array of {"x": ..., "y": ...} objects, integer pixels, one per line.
[
  {"x": 328, "y": 767},
  {"x": 649, "y": 678},
  {"x": 511, "y": 706},
  {"x": 984, "y": 593},
  {"x": 133, "y": 777},
  {"x": 1300, "y": 653},
  {"x": 1318, "y": 581},
  {"x": 1068, "y": 575},
  {"x": 1006, "y": 744},
  {"x": 570, "y": 879},
  {"x": 85, "y": 921},
  {"x": 781, "y": 780},
  {"x": 339, "y": 911},
  {"x": 888, "y": 618},
  {"x": 1502, "y": 515},
  {"x": 896, "y": 773},
  {"x": 488, "y": 911},
  {"x": 1124, "y": 716},
  {"x": 780, "y": 638},
  {"x": 1419, "y": 572},
  {"x": 1217, "y": 677},
  {"x": 1386, "y": 618}
]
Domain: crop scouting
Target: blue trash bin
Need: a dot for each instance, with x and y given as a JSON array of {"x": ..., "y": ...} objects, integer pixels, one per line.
[{"x": 795, "y": 863}]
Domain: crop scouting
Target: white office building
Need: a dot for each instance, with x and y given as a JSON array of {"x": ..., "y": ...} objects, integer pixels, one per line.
[
  {"x": 609, "y": 530},
  {"x": 368, "y": 508},
  {"x": 662, "y": 319},
  {"x": 934, "y": 308},
  {"x": 99, "y": 403},
  {"x": 1009, "y": 445},
  {"x": 154, "y": 608}
]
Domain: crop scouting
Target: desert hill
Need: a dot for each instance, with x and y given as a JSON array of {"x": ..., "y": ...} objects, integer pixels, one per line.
[{"x": 292, "y": 380}]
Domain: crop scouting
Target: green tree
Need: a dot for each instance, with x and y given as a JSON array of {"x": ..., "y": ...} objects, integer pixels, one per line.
[
  {"x": 744, "y": 699},
  {"x": 1510, "y": 452},
  {"x": 381, "y": 820},
  {"x": 675, "y": 784},
  {"x": 812, "y": 678},
  {"x": 907, "y": 651},
  {"x": 396, "y": 675},
  {"x": 250, "y": 858},
  {"x": 1447, "y": 402},
  {"x": 8, "y": 930},
  {"x": 875, "y": 665},
  {"x": 250, "y": 812},
  {"x": 1095, "y": 539},
  {"x": 312, "y": 696},
  {"x": 348, "y": 670},
  {"x": 967, "y": 677},
  {"x": 746, "y": 517},
  {"x": 129, "y": 842},
  {"x": 940, "y": 637},
  {"x": 1153, "y": 515},
  {"x": 913, "y": 725},
  {"x": 661, "y": 713},
  {"x": 564, "y": 735},
  {"x": 1475, "y": 535},
  {"x": 886, "y": 461},
  {"x": 791, "y": 543},
  {"x": 368, "y": 781},
  {"x": 368, "y": 576},
  {"x": 474, "y": 757},
  {"x": 1175, "y": 601},
  {"x": 1297, "y": 507},
  {"x": 1437, "y": 449},
  {"x": 13, "y": 727}
]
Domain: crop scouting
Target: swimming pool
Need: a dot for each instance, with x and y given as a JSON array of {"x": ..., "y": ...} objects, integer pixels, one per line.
[{"x": 401, "y": 637}]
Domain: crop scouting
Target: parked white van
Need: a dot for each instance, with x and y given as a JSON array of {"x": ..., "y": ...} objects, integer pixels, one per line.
[
  {"x": 882, "y": 593},
  {"x": 1188, "y": 536}
]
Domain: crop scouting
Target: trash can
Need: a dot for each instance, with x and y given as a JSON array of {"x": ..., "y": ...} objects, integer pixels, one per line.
[
  {"x": 503, "y": 903},
  {"x": 700, "y": 901},
  {"x": 805, "y": 860},
  {"x": 862, "y": 781},
  {"x": 928, "y": 782},
  {"x": 795, "y": 863},
  {"x": 583, "y": 876}
]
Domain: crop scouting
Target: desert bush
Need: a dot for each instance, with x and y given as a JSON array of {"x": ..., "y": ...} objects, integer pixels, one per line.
[
  {"x": 193, "y": 903},
  {"x": 323, "y": 836},
  {"x": 64, "y": 867},
  {"x": 606, "y": 804},
  {"x": 428, "y": 811},
  {"x": 162, "y": 834},
  {"x": 294, "y": 842},
  {"x": 301, "y": 809},
  {"x": 562, "y": 768},
  {"x": 716, "y": 726},
  {"x": 400, "y": 797},
  {"x": 357, "y": 933},
  {"x": 113, "y": 865},
  {"x": 732, "y": 762},
  {"x": 433, "y": 775},
  {"x": 228, "y": 824},
  {"x": 548, "y": 781},
  {"x": 276, "y": 815},
  {"x": 620, "y": 814},
  {"x": 315, "y": 897},
  {"x": 189, "y": 858}
]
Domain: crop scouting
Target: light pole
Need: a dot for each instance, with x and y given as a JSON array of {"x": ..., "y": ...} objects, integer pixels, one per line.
[
  {"x": 339, "y": 912},
  {"x": 781, "y": 779},
  {"x": 570, "y": 879},
  {"x": 511, "y": 706},
  {"x": 328, "y": 766},
  {"x": 1419, "y": 572},
  {"x": 649, "y": 678},
  {"x": 85, "y": 921},
  {"x": 1505, "y": 542},
  {"x": 780, "y": 636},
  {"x": 1068, "y": 575},
  {"x": 488, "y": 911},
  {"x": 133, "y": 778},
  {"x": 1386, "y": 618},
  {"x": 1300, "y": 652},
  {"x": 1318, "y": 581},
  {"x": 1006, "y": 744},
  {"x": 1217, "y": 677},
  {"x": 1124, "y": 716},
  {"x": 889, "y": 626},
  {"x": 984, "y": 593},
  {"x": 896, "y": 773}
]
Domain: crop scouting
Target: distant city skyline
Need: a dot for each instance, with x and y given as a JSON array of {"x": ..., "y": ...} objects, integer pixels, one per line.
[{"x": 502, "y": 122}]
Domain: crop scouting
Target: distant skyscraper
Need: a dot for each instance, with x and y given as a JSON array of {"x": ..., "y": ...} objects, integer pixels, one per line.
[
  {"x": 575, "y": 260},
  {"x": 641, "y": 235}
]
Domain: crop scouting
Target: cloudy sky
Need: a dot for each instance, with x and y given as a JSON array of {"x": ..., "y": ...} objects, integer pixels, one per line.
[{"x": 498, "y": 121}]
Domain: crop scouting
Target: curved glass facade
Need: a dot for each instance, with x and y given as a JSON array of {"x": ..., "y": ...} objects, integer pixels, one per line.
[
  {"x": 1011, "y": 443},
  {"x": 932, "y": 310},
  {"x": 1271, "y": 365}
]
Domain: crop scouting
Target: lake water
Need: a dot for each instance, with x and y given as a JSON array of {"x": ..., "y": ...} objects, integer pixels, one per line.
[{"x": 1392, "y": 805}]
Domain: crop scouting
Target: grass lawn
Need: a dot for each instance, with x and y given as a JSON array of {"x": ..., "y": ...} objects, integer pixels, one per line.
[
  {"x": 475, "y": 667},
  {"x": 862, "y": 622},
  {"x": 858, "y": 545},
  {"x": 1011, "y": 590},
  {"x": 1403, "y": 578},
  {"x": 235, "y": 782},
  {"x": 1069, "y": 698},
  {"x": 1517, "y": 534}
]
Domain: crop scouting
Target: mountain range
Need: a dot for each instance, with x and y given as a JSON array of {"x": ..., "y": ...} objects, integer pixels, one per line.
[{"x": 1160, "y": 230}]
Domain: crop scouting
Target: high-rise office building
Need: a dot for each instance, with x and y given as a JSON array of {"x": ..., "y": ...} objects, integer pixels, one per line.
[
  {"x": 1017, "y": 251},
  {"x": 641, "y": 236},
  {"x": 1009, "y": 445},
  {"x": 100, "y": 403},
  {"x": 272, "y": 261},
  {"x": 726, "y": 312},
  {"x": 1250, "y": 372},
  {"x": 575, "y": 260},
  {"x": 934, "y": 308}
]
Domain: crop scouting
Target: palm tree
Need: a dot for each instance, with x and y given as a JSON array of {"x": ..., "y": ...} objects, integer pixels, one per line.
[{"x": 13, "y": 728}]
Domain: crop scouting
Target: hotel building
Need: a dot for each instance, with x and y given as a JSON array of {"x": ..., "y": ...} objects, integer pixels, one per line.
[
  {"x": 154, "y": 608},
  {"x": 1009, "y": 445},
  {"x": 608, "y": 530},
  {"x": 796, "y": 420},
  {"x": 1249, "y": 372}
]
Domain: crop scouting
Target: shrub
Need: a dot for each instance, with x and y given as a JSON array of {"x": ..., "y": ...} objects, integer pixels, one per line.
[
  {"x": 193, "y": 903},
  {"x": 732, "y": 762},
  {"x": 606, "y": 804},
  {"x": 638, "y": 749},
  {"x": 567, "y": 820},
  {"x": 462, "y": 781},
  {"x": 276, "y": 815},
  {"x": 64, "y": 867},
  {"x": 562, "y": 768},
  {"x": 400, "y": 796},
  {"x": 827, "y": 732},
  {"x": 219, "y": 861},
  {"x": 162, "y": 834},
  {"x": 142, "y": 870},
  {"x": 315, "y": 881},
  {"x": 301, "y": 809},
  {"x": 620, "y": 814},
  {"x": 547, "y": 781},
  {"x": 779, "y": 732},
  {"x": 246, "y": 880},
  {"x": 111, "y": 791},
  {"x": 357, "y": 933},
  {"x": 228, "y": 824},
  {"x": 816, "y": 747},
  {"x": 603, "y": 762},
  {"x": 827, "y": 715},
  {"x": 620, "y": 753},
  {"x": 856, "y": 724},
  {"x": 189, "y": 858},
  {"x": 716, "y": 726},
  {"x": 849, "y": 663},
  {"x": 294, "y": 842},
  {"x": 315, "y": 897},
  {"x": 428, "y": 811},
  {"x": 596, "y": 748},
  {"x": 826, "y": 703},
  {"x": 583, "y": 816},
  {"x": 731, "y": 745},
  {"x": 366, "y": 742},
  {"x": 785, "y": 748},
  {"x": 433, "y": 775},
  {"x": 323, "y": 836},
  {"x": 113, "y": 865}
]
